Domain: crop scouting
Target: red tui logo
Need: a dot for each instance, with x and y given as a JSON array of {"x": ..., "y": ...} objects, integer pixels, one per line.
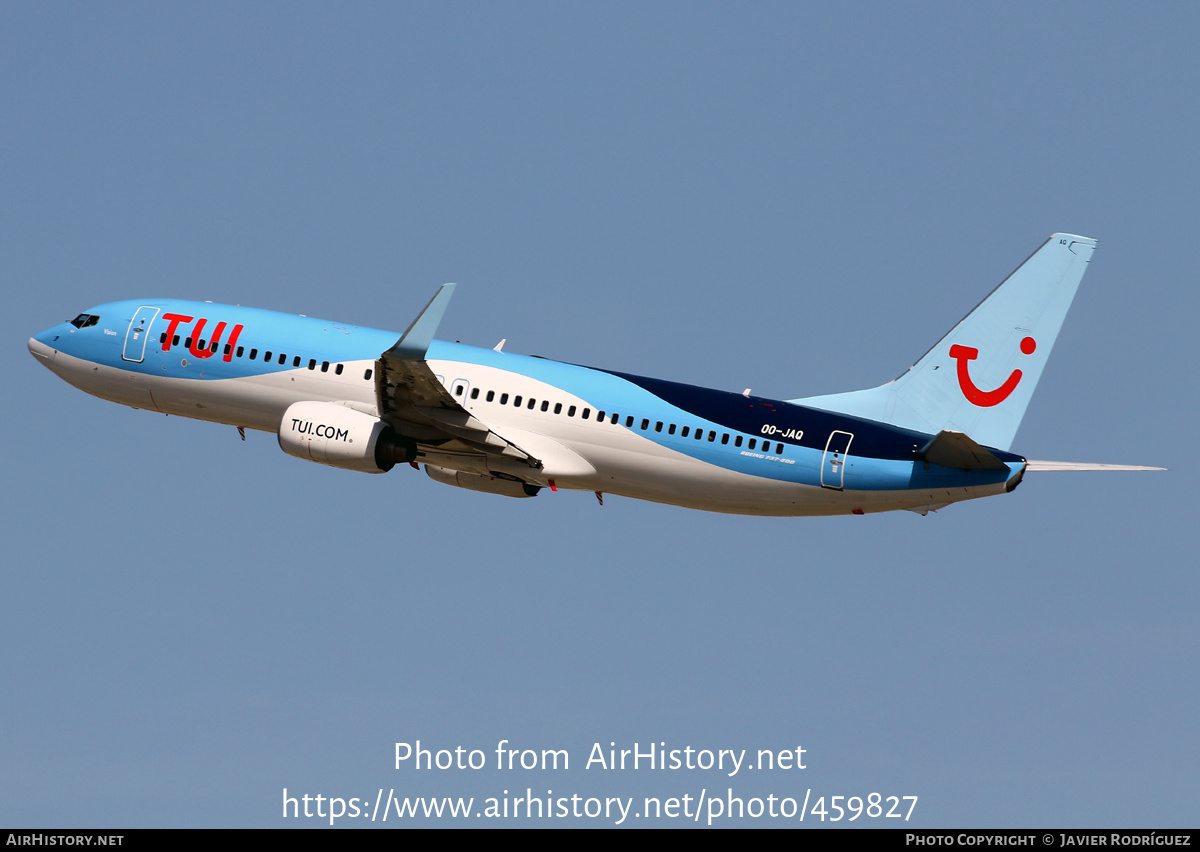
[
  {"x": 194, "y": 341},
  {"x": 986, "y": 399}
]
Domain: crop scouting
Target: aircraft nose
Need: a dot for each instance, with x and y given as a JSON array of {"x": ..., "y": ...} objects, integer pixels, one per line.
[{"x": 42, "y": 351}]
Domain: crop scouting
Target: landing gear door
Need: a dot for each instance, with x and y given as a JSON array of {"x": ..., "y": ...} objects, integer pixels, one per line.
[
  {"x": 833, "y": 465},
  {"x": 139, "y": 330}
]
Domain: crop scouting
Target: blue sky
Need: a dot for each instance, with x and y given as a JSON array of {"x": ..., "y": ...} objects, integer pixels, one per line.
[{"x": 788, "y": 197}]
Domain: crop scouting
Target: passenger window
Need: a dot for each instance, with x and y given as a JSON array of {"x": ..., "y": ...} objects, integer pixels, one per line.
[
  {"x": 699, "y": 434},
  {"x": 253, "y": 352},
  {"x": 312, "y": 363},
  {"x": 517, "y": 401},
  {"x": 532, "y": 402},
  {"x": 571, "y": 411},
  {"x": 338, "y": 370},
  {"x": 658, "y": 426},
  {"x": 188, "y": 342},
  {"x": 491, "y": 396},
  {"x": 615, "y": 418},
  {"x": 558, "y": 408},
  {"x": 545, "y": 405},
  {"x": 712, "y": 436},
  {"x": 629, "y": 422},
  {"x": 504, "y": 399},
  {"x": 458, "y": 390},
  {"x": 600, "y": 416},
  {"x": 324, "y": 366},
  {"x": 474, "y": 393},
  {"x": 725, "y": 438},
  {"x": 586, "y": 412},
  {"x": 267, "y": 357},
  {"x": 240, "y": 351},
  {"x": 645, "y": 424},
  {"x": 779, "y": 449},
  {"x": 295, "y": 361},
  {"x": 367, "y": 375},
  {"x": 683, "y": 433},
  {"x": 753, "y": 443},
  {"x": 175, "y": 341},
  {"x": 671, "y": 429},
  {"x": 282, "y": 359},
  {"x": 228, "y": 348},
  {"x": 737, "y": 442},
  {"x": 162, "y": 338}
]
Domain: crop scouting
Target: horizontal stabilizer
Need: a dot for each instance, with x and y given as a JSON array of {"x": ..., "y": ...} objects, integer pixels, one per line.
[
  {"x": 1055, "y": 465},
  {"x": 956, "y": 450}
]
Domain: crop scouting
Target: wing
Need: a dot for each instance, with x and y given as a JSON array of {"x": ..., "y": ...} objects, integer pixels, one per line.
[{"x": 417, "y": 405}]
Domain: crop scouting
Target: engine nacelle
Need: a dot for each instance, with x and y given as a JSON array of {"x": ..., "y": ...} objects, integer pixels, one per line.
[
  {"x": 479, "y": 482},
  {"x": 332, "y": 434}
]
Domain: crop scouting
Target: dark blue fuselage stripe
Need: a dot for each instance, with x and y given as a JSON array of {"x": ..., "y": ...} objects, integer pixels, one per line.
[{"x": 749, "y": 414}]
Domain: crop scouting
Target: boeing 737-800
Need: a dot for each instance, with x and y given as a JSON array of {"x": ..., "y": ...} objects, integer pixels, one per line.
[{"x": 488, "y": 420}]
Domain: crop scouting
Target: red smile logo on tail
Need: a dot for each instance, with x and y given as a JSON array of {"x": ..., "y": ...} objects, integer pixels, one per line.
[{"x": 985, "y": 399}]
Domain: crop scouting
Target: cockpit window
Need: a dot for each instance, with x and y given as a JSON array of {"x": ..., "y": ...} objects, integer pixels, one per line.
[{"x": 85, "y": 320}]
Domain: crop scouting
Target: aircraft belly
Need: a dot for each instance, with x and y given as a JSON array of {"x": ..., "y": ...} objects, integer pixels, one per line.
[
  {"x": 644, "y": 470},
  {"x": 774, "y": 498}
]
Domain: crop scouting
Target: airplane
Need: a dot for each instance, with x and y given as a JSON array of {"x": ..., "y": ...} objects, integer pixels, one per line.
[{"x": 487, "y": 420}]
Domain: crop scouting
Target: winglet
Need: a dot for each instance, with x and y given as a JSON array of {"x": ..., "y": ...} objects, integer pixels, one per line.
[{"x": 414, "y": 343}]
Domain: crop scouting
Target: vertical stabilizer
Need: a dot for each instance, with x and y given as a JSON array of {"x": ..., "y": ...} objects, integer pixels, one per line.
[{"x": 979, "y": 378}]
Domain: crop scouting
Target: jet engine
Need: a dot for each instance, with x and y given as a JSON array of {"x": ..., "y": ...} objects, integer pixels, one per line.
[{"x": 333, "y": 434}]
